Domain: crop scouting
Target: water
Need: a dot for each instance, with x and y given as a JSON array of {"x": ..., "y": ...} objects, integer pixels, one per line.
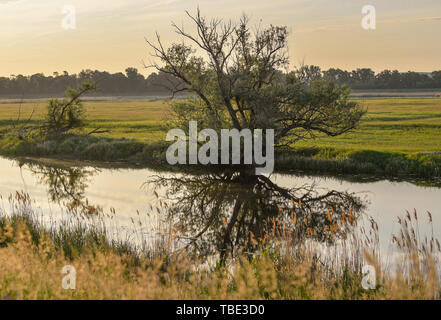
[{"x": 217, "y": 211}]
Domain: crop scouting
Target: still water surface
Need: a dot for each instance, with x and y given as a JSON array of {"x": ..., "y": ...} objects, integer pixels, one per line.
[{"x": 196, "y": 198}]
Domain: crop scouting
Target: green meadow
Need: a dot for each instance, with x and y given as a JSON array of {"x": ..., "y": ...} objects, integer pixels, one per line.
[
  {"x": 131, "y": 119},
  {"x": 397, "y": 135},
  {"x": 393, "y": 125}
]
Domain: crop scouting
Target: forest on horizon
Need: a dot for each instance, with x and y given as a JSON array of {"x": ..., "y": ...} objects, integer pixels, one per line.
[{"x": 132, "y": 82}]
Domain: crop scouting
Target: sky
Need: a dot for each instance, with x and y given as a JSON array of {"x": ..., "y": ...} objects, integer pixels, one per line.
[{"x": 110, "y": 35}]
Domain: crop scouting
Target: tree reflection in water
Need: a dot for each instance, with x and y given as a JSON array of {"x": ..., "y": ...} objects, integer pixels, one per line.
[
  {"x": 64, "y": 183},
  {"x": 224, "y": 213}
]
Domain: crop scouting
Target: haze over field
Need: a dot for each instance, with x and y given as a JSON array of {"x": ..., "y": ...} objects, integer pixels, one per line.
[{"x": 110, "y": 35}]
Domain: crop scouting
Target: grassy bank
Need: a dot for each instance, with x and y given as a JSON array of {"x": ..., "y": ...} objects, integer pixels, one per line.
[
  {"x": 32, "y": 256},
  {"x": 381, "y": 163},
  {"x": 310, "y": 160},
  {"x": 397, "y": 137}
]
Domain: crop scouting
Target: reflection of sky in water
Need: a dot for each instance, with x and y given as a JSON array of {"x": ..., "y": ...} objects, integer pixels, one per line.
[
  {"x": 386, "y": 201},
  {"x": 123, "y": 190}
]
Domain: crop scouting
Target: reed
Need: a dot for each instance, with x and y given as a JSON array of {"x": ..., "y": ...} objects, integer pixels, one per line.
[{"x": 32, "y": 255}]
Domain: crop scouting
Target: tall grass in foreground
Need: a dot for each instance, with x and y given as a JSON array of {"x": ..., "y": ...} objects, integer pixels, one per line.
[{"x": 32, "y": 257}]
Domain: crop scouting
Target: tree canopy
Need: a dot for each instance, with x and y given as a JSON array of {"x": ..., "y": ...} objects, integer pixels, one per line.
[{"x": 239, "y": 80}]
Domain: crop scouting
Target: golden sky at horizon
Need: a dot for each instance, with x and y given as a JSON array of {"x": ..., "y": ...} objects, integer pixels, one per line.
[{"x": 110, "y": 34}]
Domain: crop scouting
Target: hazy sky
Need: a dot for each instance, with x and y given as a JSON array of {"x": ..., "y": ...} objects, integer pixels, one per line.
[{"x": 110, "y": 34}]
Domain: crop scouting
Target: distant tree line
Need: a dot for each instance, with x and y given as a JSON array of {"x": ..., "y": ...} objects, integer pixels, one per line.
[
  {"x": 133, "y": 83},
  {"x": 365, "y": 78},
  {"x": 129, "y": 83}
]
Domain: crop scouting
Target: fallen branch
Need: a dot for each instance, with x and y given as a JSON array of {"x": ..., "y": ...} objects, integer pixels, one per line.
[{"x": 97, "y": 130}]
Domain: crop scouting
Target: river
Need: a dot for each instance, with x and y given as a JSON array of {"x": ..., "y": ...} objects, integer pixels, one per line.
[{"x": 196, "y": 198}]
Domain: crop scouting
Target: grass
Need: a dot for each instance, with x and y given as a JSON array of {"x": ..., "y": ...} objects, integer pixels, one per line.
[
  {"x": 131, "y": 119},
  {"x": 396, "y": 137},
  {"x": 32, "y": 256},
  {"x": 392, "y": 125}
]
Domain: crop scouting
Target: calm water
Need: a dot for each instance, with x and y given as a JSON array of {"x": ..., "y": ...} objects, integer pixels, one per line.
[{"x": 216, "y": 211}]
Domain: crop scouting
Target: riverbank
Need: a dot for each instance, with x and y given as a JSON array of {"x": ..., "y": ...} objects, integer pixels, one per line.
[
  {"x": 398, "y": 138},
  {"x": 128, "y": 152}
]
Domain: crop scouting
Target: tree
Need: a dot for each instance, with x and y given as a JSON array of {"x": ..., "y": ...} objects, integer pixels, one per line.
[
  {"x": 308, "y": 74},
  {"x": 338, "y": 76},
  {"x": 68, "y": 113},
  {"x": 237, "y": 78},
  {"x": 363, "y": 78},
  {"x": 436, "y": 76}
]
